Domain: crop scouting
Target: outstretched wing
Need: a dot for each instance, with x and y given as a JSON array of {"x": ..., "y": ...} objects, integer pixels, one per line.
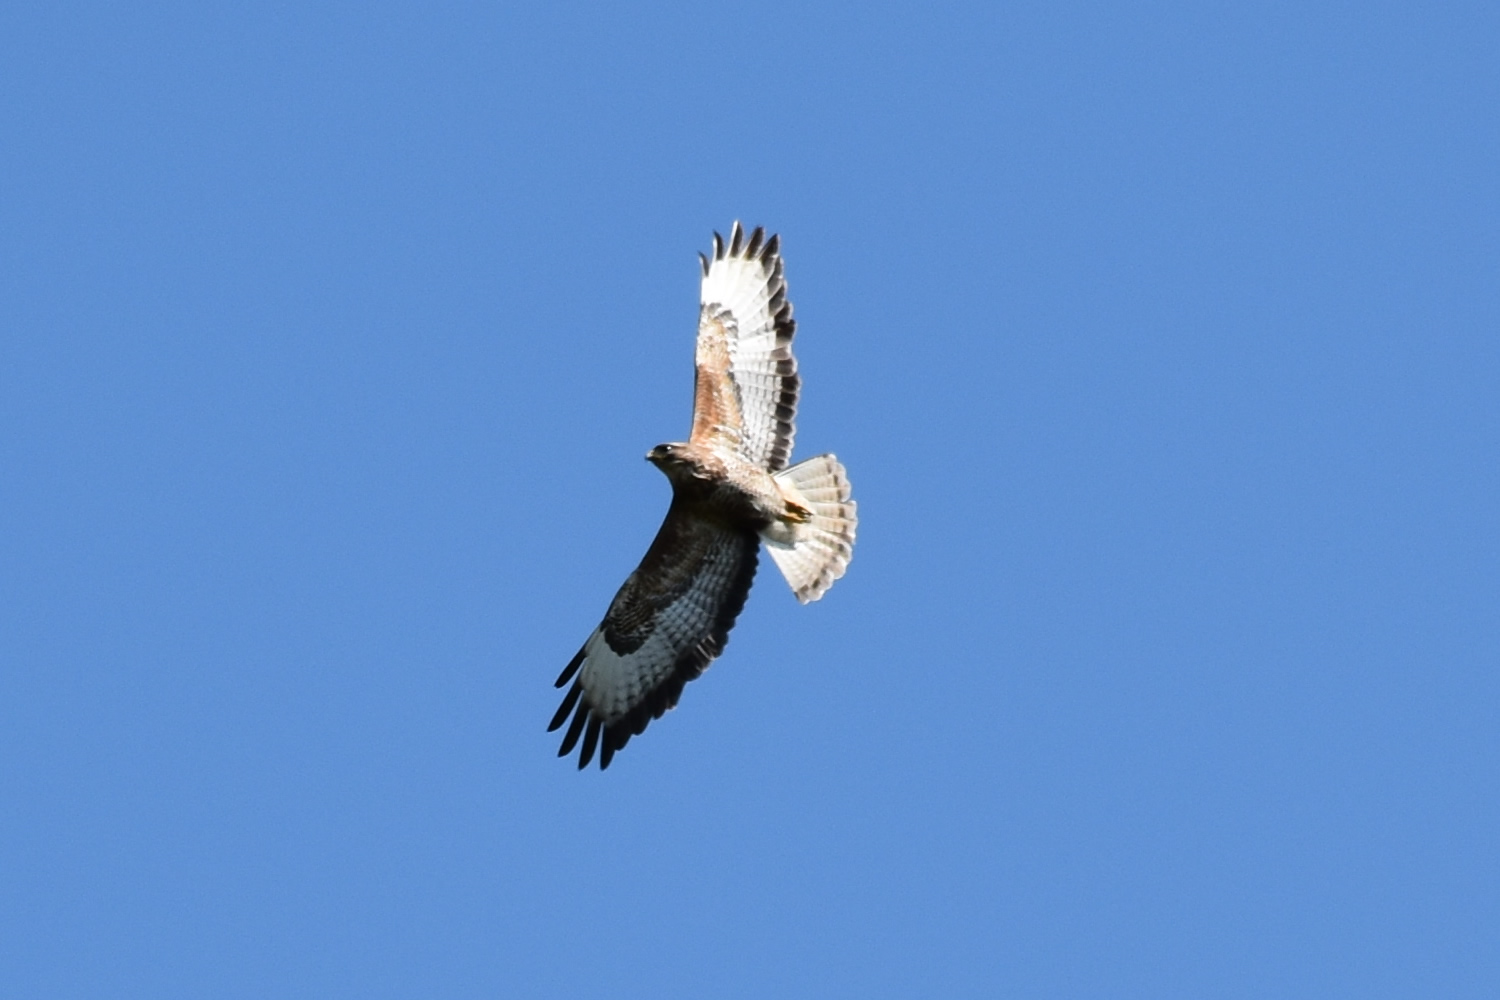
[
  {"x": 745, "y": 396},
  {"x": 664, "y": 627}
]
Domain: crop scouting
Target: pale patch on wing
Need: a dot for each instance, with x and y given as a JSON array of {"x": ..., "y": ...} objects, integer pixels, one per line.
[
  {"x": 667, "y": 623},
  {"x": 716, "y": 404},
  {"x": 747, "y": 383}
]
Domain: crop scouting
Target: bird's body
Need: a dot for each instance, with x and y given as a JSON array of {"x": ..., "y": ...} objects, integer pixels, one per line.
[
  {"x": 731, "y": 491},
  {"x": 713, "y": 484}
]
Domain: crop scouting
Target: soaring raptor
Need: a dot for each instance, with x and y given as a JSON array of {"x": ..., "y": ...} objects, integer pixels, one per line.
[{"x": 731, "y": 491}]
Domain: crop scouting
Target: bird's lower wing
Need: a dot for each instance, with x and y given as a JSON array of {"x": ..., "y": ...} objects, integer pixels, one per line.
[{"x": 664, "y": 627}]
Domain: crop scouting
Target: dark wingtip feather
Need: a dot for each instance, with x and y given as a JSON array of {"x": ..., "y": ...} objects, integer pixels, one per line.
[
  {"x": 753, "y": 250},
  {"x": 571, "y": 668},
  {"x": 569, "y": 700},
  {"x": 590, "y": 743},
  {"x": 736, "y": 237},
  {"x": 704, "y": 261},
  {"x": 570, "y": 739},
  {"x": 607, "y": 750},
  {"x": 773, "y": 247},
  {"x": 718, "y": 246}
]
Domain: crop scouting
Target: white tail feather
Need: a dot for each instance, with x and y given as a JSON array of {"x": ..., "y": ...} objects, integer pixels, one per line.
[{"x": 818, "y": 550}]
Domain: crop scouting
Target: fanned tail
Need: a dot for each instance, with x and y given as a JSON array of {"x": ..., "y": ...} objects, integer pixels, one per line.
[{"x": 817, "y": 551}]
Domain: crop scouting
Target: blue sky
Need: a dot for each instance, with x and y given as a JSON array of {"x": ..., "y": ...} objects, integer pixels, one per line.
[{"x": 1160, "y": 343}]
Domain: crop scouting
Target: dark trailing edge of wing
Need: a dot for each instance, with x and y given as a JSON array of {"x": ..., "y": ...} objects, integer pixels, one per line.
[{"x": 691, "y": 662}]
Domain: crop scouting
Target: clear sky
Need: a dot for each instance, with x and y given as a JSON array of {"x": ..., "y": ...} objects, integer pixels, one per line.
[{"x": 1162, "y": 344}]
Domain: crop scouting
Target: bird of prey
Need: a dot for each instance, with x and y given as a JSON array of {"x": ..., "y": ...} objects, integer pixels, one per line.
[{"x": 731, "y": 491}]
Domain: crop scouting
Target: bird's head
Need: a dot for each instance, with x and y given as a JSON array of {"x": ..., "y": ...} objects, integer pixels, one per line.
[
  {"x": 680, "y": 461},
  {"x": 665, "y": 455}
]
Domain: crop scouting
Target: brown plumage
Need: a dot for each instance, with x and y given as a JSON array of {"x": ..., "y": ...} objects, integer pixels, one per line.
[{"x": 731, "y": 490}]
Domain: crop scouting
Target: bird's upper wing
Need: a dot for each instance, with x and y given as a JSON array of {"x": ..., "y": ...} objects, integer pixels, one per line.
[
  {"x": 745, "y": 396},
  {"x": 664, "y": 627}
]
